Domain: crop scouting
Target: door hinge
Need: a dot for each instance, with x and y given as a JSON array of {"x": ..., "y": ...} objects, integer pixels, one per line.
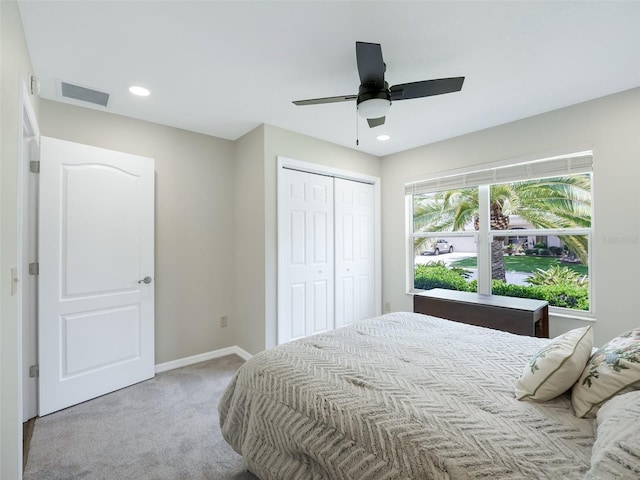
[
  {"x": 34, "y": 166},
  {"x": 34, "y": 268},
  {"x": 34, "y": 371}
]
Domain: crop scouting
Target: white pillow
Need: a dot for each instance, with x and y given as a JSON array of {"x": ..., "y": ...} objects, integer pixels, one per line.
[
  {"x": 616, "y": 452},
  {"x": 556, "y": 367},
  {"x": 612, "y": 370}
]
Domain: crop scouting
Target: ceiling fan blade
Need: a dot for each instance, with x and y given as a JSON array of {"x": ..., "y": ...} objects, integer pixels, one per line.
[
  {"x": 375, "y": 122},
  {"x": 426, "y": 88},
  {"x": 319, "y": 101},
  {"x": 370, "y": 64}
]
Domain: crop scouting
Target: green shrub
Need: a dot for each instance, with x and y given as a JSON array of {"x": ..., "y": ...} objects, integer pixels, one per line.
[
  {"x": 510, "y": 248},
  {"x": 435, "y": 263},
  {"x": 556, "y": 275},
  {"x": 544, "y": 252},
  {"x": 563, "y": 295},
  {"x": 539, "y": 245},
  {"x": 436, "y": 275},
  {"x": 556, "y": 250},
  {"x": 529, "y": 251}
]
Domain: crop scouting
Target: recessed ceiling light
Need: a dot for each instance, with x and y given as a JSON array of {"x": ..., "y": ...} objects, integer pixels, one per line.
[
  {"x": 384, "y": 137},
  {"x": 140, "y": 91}
]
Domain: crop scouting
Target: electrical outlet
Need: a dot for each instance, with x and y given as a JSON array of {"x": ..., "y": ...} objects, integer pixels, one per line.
[
  {"x": 224, "y": 321},
  {"x": 387, "y": 307}
]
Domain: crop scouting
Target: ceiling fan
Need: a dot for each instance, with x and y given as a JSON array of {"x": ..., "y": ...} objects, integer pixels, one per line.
[{"x": 374, "y": 95}]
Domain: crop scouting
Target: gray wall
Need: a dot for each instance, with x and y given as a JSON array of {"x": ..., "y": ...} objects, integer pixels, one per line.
[
  {"x": 194, "y": 221},
  {"x": 249, "y": 267},
  {"x": 611, "y": 127}
]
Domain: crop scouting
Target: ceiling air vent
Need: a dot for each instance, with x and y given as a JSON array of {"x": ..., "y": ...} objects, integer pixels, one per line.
[{"x": 84, "y": 94}]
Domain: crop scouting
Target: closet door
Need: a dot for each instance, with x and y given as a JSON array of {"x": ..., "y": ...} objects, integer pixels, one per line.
[
  {"x": 305, "y": 238},
  {"x": 354, "y": 251}
]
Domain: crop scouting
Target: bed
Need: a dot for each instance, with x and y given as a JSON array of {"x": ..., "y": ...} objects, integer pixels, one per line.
[{"x": 401, "y": 396}]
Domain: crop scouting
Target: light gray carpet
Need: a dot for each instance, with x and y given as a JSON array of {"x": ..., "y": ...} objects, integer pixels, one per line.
[{"x": 163, "y": 429}]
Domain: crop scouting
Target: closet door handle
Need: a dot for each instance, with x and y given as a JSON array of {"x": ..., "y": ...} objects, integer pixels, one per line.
[{"x": 145, "y": 280}]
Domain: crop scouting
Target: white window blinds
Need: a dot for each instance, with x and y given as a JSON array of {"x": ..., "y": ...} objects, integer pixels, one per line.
[{"x": 550, "y": 167}]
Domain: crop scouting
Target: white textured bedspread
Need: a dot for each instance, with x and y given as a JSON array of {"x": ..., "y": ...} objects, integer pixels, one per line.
[{"x": 402, "y": 396}]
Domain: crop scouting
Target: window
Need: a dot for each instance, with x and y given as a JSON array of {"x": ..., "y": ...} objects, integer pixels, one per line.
[{"x": 522, "y": 230}]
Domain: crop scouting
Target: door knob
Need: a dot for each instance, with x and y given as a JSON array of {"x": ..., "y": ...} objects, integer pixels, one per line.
[{"x": 145, "y": 280}]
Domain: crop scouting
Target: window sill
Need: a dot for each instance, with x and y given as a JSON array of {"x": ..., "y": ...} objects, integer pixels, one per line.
[{"x": 561, "y": 313}]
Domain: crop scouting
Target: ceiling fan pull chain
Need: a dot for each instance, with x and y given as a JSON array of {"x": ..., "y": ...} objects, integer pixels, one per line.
[{"x": 357, "y": 130}]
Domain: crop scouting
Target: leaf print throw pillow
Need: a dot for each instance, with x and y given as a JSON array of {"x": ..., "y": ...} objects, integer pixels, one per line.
[
  {"x": 556, "y": 367},
  {"x": 616, "y": 451},
  {"x": 614, "y": 369}
]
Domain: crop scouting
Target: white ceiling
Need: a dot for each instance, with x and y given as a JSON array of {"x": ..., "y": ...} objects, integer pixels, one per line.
[{"x": 223, "y": 68}]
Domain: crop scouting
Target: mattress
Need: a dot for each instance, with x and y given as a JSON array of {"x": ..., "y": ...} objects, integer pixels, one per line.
[{"x": 401, "y": 396}]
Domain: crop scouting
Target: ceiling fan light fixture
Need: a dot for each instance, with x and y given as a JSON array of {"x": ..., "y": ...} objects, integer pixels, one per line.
[
  {"x": 374, "y": 108},
  {"x": 373, "y": 102}
]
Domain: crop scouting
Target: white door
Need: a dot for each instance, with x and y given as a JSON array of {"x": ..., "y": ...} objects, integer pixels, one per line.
[
  {"x": 354, "y": 251},
  {"x": 306, "y": 273},
  {"x": 96, "y": 319}
]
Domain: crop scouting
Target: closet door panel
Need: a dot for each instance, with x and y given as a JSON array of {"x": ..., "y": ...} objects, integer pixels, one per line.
[
  {"x": 354, "y": 250},
  {"x": 306, "y": 248},
  {"x": 297, "y": 307},
  {"x": 319, "y": 317}
]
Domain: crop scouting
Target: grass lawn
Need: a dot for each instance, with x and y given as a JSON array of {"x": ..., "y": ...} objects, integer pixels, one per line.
[{"x": 523, "y": 263}]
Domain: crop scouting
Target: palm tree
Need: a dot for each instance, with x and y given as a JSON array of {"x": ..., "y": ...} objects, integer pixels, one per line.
[{"x": 551, "y": 203}]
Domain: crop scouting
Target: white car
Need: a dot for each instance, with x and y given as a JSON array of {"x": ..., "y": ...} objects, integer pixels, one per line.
[{"x": 441, "y": 246}]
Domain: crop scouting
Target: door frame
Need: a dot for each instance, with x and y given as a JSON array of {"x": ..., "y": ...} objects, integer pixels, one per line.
[
  {"x": 318, "y": 169},
  {"x": 28, "y": 128}
]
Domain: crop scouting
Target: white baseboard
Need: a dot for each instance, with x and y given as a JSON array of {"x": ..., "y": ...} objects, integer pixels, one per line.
[{"x": 183, "y": 362}]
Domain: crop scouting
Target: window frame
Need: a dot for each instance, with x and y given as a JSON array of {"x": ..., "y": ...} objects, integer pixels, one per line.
[{"x": 484, "y": 236}]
